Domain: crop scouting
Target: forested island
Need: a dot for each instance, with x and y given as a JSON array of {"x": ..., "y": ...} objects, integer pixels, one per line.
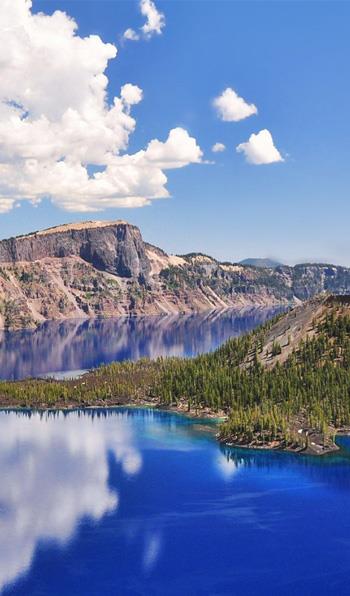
[{"x": 286, "y": 385}]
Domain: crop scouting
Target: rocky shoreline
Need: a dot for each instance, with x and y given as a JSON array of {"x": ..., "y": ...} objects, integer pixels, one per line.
[{"x": 314, "y": 448}]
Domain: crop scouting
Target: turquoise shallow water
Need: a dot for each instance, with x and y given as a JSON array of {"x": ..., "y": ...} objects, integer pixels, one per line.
[{"x": 136, "y": 502}]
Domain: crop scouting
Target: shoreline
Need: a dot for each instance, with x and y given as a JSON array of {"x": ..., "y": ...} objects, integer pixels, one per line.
[
  {"x": 156, "y": 315},
  {"x": 314, "y": 449},
  {"x": 317, "y": 451}
]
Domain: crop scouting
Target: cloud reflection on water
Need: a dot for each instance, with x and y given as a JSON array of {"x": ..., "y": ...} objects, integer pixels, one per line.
[
  {"x": 54, "y": 472},
  {"x": 146, "y": 480}
]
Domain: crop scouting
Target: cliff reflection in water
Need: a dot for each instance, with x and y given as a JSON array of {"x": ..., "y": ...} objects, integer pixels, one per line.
[{"x": 79, "y": 345}]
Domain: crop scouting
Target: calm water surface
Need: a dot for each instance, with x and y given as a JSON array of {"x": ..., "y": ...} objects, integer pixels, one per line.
[
  {"x": 134, "y": 502},
  {"x": 70, "y": 346}
]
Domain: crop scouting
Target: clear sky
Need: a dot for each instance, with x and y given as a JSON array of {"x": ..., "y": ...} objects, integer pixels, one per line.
[{"x": 276, "y": 66}]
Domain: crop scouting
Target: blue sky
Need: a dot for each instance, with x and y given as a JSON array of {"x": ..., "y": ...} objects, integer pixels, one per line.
[{"x": 288, "y": 58}]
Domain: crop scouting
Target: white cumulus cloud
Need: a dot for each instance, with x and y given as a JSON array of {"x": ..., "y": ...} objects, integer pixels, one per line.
[
  {"x": 231, "y": 107},
  {"x": 155, "y": 20},
  {"x": 154, "y": 25},
  {"x": 178, "y": 150},
  {"x": 60, "y": 136},
  {"x": 218, "y": 148},
  {"x": 131, "y": 94},
  {"x": 260, "y": 149}
]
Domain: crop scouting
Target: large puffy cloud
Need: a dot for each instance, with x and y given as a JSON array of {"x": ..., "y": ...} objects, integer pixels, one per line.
[
  {"x": 155, "y": 22},
  {"x": 231, "y": 107},
  {"x": 127, "y": 180},
  {"x": 60, "y": 138},
  {"x": 260, "y": 149}
]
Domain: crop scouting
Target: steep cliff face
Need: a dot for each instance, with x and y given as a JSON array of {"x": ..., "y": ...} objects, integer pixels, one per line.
[
  {"x": 115, "y": 247},
  {"x": 103, "y": 269},
  {"x": 281, "y": 283}
]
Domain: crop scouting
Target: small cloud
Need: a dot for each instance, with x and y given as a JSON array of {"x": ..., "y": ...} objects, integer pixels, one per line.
[
  {"x": 232, "y": 108},
  {"x": 155, "y": 22},
  {"x": 131, "y": 94},
  {"x": 218, "y": 148},
  {"x": 131, "y": 35},
  {"x": 260, "y": 149},
  {"x": 177, "y": 151}
]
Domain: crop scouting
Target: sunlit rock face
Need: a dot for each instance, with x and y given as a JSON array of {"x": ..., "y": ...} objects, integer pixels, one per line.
[
  {"x": 116, "y": 247},
  {"x": 54, "y": 472}
]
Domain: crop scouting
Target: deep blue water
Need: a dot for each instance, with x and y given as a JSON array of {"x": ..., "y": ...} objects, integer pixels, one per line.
[
  {"x": 134, "y": 502},
  {"x": 68, "y": 346}
]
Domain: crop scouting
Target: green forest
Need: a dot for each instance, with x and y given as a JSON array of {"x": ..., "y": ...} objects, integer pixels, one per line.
[{"x": 310, "y": 390}]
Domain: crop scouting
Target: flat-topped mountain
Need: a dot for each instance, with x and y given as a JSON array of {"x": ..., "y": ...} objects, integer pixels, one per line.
[
  {"x": 101, "y": 268},
  {"x": 115, "y": 246},
  {"x": 77, "y": 226}
]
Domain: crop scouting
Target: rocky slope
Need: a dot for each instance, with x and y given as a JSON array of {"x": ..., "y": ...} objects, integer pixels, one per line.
[{"x": 96, "y": 269}]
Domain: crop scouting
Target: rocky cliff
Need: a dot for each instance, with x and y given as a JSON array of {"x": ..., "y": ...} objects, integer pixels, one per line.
[
  {"x": 115, "y": 247},
  {"x": 101, "y": 269}
]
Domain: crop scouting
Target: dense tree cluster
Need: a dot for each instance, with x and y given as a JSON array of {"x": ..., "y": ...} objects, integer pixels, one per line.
[{"x": 311, "y": 389}]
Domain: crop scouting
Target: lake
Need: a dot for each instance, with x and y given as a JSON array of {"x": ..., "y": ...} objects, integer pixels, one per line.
[
  {"x": 138, "y": 502},
  {"x": 65, "y": 348}
]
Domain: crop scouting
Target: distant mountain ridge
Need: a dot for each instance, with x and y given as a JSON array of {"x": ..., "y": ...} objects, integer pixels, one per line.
[
  {"x": 264, "y": 263},
  {"x": 101, "y": 269}
]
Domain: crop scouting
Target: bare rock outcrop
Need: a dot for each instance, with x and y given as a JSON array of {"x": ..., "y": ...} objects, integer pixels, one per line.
[{"x": 116, "y": 247}]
